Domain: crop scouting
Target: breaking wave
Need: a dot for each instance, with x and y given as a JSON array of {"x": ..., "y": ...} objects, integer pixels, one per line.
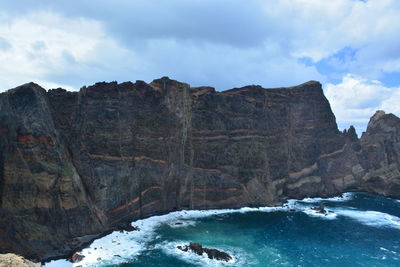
[{"x": 125, "y": 247}]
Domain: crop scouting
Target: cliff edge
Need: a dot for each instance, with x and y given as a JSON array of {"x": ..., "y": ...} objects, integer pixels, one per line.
[{"x": 74, "y": 165}]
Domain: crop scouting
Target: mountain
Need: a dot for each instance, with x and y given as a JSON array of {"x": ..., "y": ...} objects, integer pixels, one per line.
[{"x": 76, "y": 165}]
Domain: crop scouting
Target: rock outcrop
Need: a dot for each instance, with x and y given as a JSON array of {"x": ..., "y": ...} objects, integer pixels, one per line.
[
  {"x": 12, "y": 260},
  {"x": 380, "y": 155},
  {"x": 211, "y": 253},
  {"x": 74, "y": 165},
  {"x": 76, "y": 258}
]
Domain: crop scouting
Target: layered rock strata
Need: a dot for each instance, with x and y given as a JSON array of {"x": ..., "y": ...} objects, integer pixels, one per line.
[{"x": 74, "y": 165}]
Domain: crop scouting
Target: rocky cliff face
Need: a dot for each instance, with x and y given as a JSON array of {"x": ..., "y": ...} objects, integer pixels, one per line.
[{"x": 76, "y": 164}]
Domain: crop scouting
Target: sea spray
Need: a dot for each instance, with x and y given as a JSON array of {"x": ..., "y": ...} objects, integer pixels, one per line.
[{"x": 291, "y": 234}]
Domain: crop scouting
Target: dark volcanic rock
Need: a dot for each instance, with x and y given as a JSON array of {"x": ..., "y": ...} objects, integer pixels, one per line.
[
  {"x": 76, "y": 257},
  {"x": 321, "y": 209},
  {"x": 75, "y": 165},
  {"x": 127, "y": 227},
  {"x": 211, "y": 253},
  {"x": 380, "y": 155}
]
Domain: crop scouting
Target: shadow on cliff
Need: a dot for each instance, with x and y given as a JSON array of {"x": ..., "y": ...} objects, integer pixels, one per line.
[{"x": 75, "y": 165}]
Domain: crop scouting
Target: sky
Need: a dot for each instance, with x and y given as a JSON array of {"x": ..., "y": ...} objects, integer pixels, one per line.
[{"x": 351, "y": 46}]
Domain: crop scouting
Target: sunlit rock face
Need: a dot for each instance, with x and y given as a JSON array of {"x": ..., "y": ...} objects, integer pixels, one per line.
[
  {"x": 10, "y": 260},
  {"x": 77, "y": 164}
]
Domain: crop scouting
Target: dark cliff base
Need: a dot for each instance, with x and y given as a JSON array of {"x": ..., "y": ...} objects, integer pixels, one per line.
[{"x": 74, "y": 165}]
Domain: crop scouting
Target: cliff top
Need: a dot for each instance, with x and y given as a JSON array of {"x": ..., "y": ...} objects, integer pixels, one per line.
[{"x": 158, "y": 84}]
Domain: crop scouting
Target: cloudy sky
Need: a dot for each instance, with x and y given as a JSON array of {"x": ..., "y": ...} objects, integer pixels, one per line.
[{"x": 352, "y": 47}]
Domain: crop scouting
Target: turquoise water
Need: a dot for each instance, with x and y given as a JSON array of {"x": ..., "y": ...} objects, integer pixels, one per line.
[{"x": 363, "y": 230}]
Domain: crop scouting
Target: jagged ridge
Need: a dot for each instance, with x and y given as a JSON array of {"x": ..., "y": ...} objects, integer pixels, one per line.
[{"x": 74, "y": 165}]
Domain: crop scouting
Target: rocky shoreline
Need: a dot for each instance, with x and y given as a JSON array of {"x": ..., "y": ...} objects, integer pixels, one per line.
[
  {"x": 178, "y": 221},
  {"x": 76, "y": 165}
]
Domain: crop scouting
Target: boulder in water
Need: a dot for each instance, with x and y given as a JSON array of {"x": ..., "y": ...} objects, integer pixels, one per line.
[
  {"x": 127, "y": 227},
  {"x": 321, "y": 209},
  {"x": 211, "y": 253},
  {"x": 76, "y": 258}
]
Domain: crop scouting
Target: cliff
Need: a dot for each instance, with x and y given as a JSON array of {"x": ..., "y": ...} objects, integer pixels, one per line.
[{"x": 74, "y": 165}]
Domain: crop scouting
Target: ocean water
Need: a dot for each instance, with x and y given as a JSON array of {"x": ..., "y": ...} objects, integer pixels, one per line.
[{"x": 362, "y": 230}]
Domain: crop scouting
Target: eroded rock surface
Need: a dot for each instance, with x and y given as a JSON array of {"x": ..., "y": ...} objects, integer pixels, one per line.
[
  {"x": 211, "y": 253},
  {"x": 74, "y": 165},
  {"x": 76, "y": 258}
]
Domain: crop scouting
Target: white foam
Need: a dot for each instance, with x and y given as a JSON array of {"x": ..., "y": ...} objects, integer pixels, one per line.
[
  {"x": 128, "y": 245},
  {"x": 387, "y": 250},
  {"x": 298, "y": 205},
  {"x": 330, "y": 215},
  {"x": 371, "y": 218},
  {"x": 344, "y": 197},
  {"x": 58, "y": 263},
  {"x": 170, "y": 248},
  {"x": 182, "y": 223}
]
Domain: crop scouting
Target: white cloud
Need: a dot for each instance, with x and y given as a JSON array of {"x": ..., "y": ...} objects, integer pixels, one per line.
[
  {"x": 52, "y": 49},
  {"x": 45, "y": 44},
  {"x": 320, "y": 28},
  {"x": 219, "y": 43},
  {"x": 391, "y": 104},
  {"x": 355, "y": 99},
  {"x": 221, "y": 65}
]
